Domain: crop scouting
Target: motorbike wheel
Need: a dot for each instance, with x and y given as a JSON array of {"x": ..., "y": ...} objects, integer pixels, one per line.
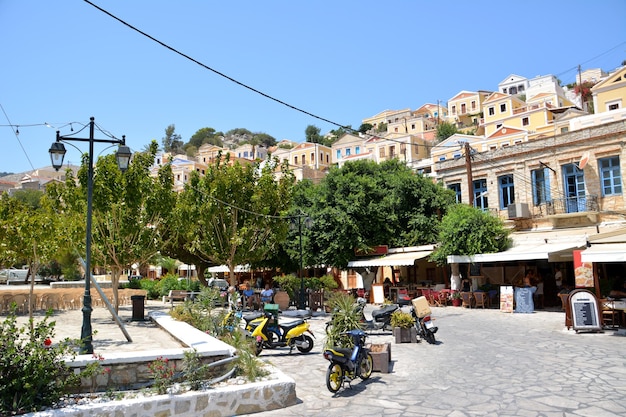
[
  {"x": 429, "y": 336},
  {"x": 334, "y": 377},
  {"x": 258, "y": 348},
  {"x": 329, "y": 327},
  {"x": 367, "y": 364},
  {"x": 307, "y": 345}
]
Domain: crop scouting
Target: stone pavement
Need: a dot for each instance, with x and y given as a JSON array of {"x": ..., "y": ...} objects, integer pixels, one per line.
[{"x": 486, "y": 363}]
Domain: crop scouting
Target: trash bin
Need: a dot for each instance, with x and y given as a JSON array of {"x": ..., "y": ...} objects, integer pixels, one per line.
[{"x": 138, "y": 302}]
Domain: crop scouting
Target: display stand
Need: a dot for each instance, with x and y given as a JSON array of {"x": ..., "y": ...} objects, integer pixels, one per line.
[
  {"x": 585, "y": 311},
  {"x": 506, "y": 299},
  {"x": 378, "y": 294}
]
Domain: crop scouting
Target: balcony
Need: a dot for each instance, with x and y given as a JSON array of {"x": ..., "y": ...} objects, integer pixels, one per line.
[{"x": 569, "y": 211}]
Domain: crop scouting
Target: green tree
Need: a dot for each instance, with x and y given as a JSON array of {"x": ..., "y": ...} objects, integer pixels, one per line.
[
  {"x": 130, "y": 212},
  {"x": 172, "y": 141},
  {"x": 31, "y": 197},
  {"x": 312, "y": 134},
  {"x": 205, "y": 135},
  {"x": 466, "y": 230},
  {"x": 445, "y": 130},
  {"x": 364, "y": 204},
  {"x": 365, "y": 127},
  {"x": 231, "y": 216}
]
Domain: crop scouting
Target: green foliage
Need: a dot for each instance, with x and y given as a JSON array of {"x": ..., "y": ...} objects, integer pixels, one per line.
[
  {"x": 466, "y": 230},
  {"x": 151, "y": 288},
  {"x": 402, "y": 319},
  {"x": 345, "y": 317},
  {"x": 445, "y": 130},
  {"x": 312, "y": 134},
  {"x": 33, "y": 373},
  {"x": 32, "y": 198},
  {"x": 364, "y": 204},
  {"x": 365, "y": 127}
]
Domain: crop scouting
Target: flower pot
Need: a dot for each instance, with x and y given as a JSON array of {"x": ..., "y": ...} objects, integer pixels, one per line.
[
  {"x": 405, "y": 335},
  {"x": 381, "y": 356},
  {"x": 456, "y": 302}
]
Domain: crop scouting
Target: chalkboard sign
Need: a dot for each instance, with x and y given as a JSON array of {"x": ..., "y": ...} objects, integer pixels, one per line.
[
  {"x": 584, "y": 307},
  {"x": 474, "y": 270}
]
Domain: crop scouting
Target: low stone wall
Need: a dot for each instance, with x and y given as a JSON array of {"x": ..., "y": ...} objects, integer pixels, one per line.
[
  {"x": 279, "y": 392},
  {"x": 130, "y": 368}
]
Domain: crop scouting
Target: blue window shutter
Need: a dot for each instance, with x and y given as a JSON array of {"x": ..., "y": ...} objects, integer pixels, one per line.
[{"x": 546, "y": 178}]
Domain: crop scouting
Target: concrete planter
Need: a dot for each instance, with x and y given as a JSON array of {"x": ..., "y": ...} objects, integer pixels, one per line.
[
  {"x": 381, "y": 356},
  {"x": 403, "y": 335}
]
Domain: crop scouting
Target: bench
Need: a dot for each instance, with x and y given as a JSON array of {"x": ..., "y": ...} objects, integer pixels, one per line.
[{"x": 175, "y": 295}]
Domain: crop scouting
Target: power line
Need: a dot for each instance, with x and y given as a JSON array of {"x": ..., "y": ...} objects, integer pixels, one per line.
[
  {"x": 17, "y": 137},
  {"x": 176, "y": 51}
]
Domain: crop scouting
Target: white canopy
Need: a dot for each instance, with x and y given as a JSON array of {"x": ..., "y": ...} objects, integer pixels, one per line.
[
  {"x": 606, "y": 252},
  {"x": 393, "y": 259}
]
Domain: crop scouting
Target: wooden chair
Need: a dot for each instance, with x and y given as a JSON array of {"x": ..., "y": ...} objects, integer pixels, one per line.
[
  {"x": 444, "y": 297},
  {"x": 467, "y": 299},
  {"x": 481, "y": 299},
  {"x": 610, "y": 316}
]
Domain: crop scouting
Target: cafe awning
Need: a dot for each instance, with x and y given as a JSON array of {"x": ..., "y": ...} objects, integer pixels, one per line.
[
  {"x": 607, "y": 252},
  {"x": 393, "y": 259},
  {"x": 224, "y": 268},
  {"x": 520, "y": 253}
]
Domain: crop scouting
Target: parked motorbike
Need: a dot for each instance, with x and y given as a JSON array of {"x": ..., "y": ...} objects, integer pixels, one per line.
[
  {"x": 381, "y": 318},
  {"x": 347, "y": 364},
  {"x": 271, "y": 334},
  {"x": 425, "y": 327}
]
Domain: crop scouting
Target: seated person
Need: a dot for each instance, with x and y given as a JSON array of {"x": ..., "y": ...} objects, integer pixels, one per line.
[
  {"x": 267, "y": 294},
  {"x": 250, "y": 297},
  {"x": 466, "y": 285},
  {"x": 234, "y": 298}
]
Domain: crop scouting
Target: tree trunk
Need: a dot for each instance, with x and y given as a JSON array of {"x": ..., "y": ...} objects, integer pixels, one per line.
[{"x": 455, "y": 279}]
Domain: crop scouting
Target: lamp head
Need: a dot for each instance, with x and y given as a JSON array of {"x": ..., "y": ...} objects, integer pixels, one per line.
[
  {"x": 123, "y": 155},
  {"x": 57, "y": 153}
]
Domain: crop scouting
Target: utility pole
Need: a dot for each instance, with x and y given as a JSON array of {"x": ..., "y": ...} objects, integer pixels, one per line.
[{"x": 468, "y": 168}]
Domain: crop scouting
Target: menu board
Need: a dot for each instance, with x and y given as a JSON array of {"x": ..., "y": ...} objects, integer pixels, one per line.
[
  {"x": 584, "y": 307},
  {"x": 583, "y": 271},
  {"x": 506, "y": 298},
  {"x": 378, "y": 293}
]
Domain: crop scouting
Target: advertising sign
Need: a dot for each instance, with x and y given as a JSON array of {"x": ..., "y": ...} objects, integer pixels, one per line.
[
  {"x": 584, "y": 307},
  {"x": 583, "y": 271},
  {"x": 506, "y": 299}
]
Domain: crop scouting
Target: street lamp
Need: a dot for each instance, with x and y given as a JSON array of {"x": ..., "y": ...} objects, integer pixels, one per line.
[
  {"x": 57, "y": 153},
  {"x": 302, "y": 219}
]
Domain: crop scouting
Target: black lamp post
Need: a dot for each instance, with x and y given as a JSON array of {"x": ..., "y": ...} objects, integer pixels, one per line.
[
  {"x": 307, "y": 223},
  {"x": 57, "y": 152}
]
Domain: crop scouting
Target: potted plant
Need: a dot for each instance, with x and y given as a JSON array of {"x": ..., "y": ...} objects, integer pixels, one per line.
[
  {"x": 403, "y": 327},
  {"x": 456, "y": 299}
]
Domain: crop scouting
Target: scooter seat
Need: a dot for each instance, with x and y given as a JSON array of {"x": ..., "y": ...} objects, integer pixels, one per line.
[
  {"x": 385, "y": 311},
  {"x": 291, "y": 324},
  {"x": 251, "y": 316}
]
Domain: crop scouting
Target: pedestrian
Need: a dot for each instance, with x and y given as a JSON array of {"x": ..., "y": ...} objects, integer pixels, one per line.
[
  {"x": 466, "y": 284},
  {"x": 558, "y": 277}
]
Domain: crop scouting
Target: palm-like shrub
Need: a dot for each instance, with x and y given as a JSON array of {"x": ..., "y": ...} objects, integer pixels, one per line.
[{"x": 346, "y": 316}]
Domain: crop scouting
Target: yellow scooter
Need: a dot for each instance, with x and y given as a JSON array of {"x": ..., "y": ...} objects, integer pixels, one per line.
[{"x": 270, "y": 334}]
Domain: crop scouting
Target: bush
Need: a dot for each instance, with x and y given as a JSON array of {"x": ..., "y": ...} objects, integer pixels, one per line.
[
  {"x": 33, "y": 373},
  {"x": 401, "y": 319},
  {"x": 346, "y": 317}
]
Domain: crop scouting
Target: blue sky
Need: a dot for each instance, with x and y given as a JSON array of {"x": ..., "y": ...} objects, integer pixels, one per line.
[{"x": 65, "y": 61}]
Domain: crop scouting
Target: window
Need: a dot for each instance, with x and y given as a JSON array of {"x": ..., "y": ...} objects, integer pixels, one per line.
[
  {"x": 338, "y": 153},
  {"x": 412, "y": 126},
  {"x": 295, "y": 160},
  {"x": 453, "y": 110},
  {"x": 507, "y": 191},
  {"x": 403, "y": 148},
  {"x": 348, "y": 151},
  {"x": 463, "y": 109},
  {"x": 491, "y": 111},
  {"x": 613, "y": 106},
  {"x": 442, "y": 158},
  {"x": 564, "y": 129},
  {"x": 392, "y": 151},
  {"x": 502, "y": 107},
  {"x": 327, "y": 158},
  {"x": 312, "y": 156},
  {"x": 303, "y": 159},
  {"x": 513, "y": 90},
  {"x": 498, "y": 126},
  {"x": 357, "y": 150},
  {"x": 480, "y": 194},
  {"x": 610, "y": 175},
  {"x": 541, "y": 186},
  {"x": 395, "y": 129},
  {"x": 457, "y": 191},
  {"x": 504, "y": 90},
  {"x": 381, "y": 152},
  {"x": 520, "y": 88},
  {"x": 525, "y": 121},
  {"x": 456, "y": 155},
  {"x": 473, "y": 105}
]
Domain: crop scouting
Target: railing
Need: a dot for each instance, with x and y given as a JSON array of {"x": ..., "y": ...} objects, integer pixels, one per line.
[{"x": 572, "y": 205}]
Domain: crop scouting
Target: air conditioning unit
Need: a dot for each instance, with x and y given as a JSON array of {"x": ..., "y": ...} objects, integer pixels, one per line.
[{"x": 518, "y": 211}]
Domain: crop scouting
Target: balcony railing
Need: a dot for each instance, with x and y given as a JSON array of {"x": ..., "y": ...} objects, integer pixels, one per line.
[{"x": 572, "y": 205}]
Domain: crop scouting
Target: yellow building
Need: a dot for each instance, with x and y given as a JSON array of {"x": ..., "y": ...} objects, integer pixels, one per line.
[
  {"x": 464, "y": 109},
  {"x": 610, "y": 93}
]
